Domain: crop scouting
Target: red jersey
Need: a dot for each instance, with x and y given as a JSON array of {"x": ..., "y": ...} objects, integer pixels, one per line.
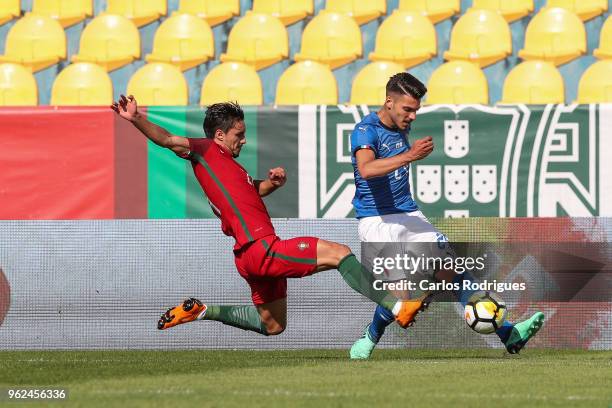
[{"x": 230, "y": 191}]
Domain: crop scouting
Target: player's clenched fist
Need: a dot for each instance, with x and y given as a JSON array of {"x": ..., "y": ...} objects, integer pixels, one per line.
[
  {"x": 421, "y": 148},
  {"x": 126, "y": 107},
  {"x": 277, "y": 176}
]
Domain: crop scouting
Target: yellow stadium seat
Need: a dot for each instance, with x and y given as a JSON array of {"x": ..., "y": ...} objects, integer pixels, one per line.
[
  {"x": 183, "y": 40},
  {"x": 458, "y": 82},
  {"x": 534, "y": 82},
  {"x": 307, "y": 82},
  {"x": 288, "y": 11},
  {"x": 213, "y": 11},
  {"x": 67, "y": 12},
  {"x": 362, "y": 11},
  {"x": 555, "y": 35},
  {"x": 109, "y": 40},
  {"x": 35, "y": 41},
  {"x": 435, "y": 10},
  {"x": 585, "y": 9},
  {"x": 82, "y": 84},
  {"x": 369, "y": 85},
  {"x": 605, "y": 41},
  {"x": 141, "y": 12},
  {"x": 511, "y": 10},
  {"x": 331, "y": 38},
  {"x": 595, "y": 86},
  {"x": 407, "y": 38},
  {"x": 257, "y": 39},
  {"x": 159, "y": 84},
  {"x": 17, "y": 86},
  {"x": 232, "y": 81},
  {"x": 480, "y": 36},
  {"x": 9, "y": 9}
]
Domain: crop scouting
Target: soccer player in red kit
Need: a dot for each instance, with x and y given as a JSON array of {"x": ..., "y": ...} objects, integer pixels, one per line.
[{"x": 263, "y": 259}]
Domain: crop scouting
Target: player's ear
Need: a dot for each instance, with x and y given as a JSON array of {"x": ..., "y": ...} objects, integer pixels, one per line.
[
  {"x": 219, "y": 134},
  {"x": 389, "y": 102}
]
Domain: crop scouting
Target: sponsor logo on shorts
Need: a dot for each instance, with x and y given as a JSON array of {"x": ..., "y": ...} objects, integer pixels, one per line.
[{"x": 302, "y": 246}]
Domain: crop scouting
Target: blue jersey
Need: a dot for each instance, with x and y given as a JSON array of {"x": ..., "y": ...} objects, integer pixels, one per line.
[{"x": 388, "y": 194}]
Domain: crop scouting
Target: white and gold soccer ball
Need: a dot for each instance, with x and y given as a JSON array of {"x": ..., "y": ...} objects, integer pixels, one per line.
[{"x": 485, "y": 312}]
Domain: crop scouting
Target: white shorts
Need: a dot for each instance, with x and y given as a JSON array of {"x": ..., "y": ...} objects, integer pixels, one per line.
[
  {"x": 411, "y": 227},
  {"x": 400, "y": 227}
]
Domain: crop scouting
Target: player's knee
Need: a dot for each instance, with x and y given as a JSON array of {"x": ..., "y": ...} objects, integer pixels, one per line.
[
  {"x": 275, "y": 329},
  {"x": 342, "y": 251}
]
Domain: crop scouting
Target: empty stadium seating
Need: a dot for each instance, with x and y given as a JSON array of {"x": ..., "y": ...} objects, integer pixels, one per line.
[
  {"x": 307, "y": 82},
  {"x": 232, "y": 81},
  {"x": 17, "y": 86},
  {"x": 585, "y": 9},
  {"x": 352, "y": 39},
  {"x": 331, "y": 38},
  {"x": 215, "y": 12},
  {"x": 288, "y": 11},
  {"x": 435, "y": 10},
  {"x": 511, "y": 10},
  {"x": 605, "y": 41},
  {"x": 35, "y": 41},
  {"x": 534, "y": 82},
  {"x": 83, "y": 84},
  {"x": 407, "y": 38},
  {"x": 141, "y": 12},
  {"x": 362, "y": 11},
  {"x": 257, "y": 39},
  {"x": 159, "y": 84},
  {"x": 183, "y": 40},
  {"x": 595, "y": 86},
  {"x": 458, "y": 82},
  {"x": 555, "y": 35},
  {"x": 480, "y": 36},
  {"x": 67, "y": 12},
  {"x": 109, "y": 40},
  {"x": 9, "y": 9},
  {"x": 369, "y": 86}
]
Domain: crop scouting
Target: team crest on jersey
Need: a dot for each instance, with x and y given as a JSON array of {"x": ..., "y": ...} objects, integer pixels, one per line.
[{"x": 302, "y": 246}]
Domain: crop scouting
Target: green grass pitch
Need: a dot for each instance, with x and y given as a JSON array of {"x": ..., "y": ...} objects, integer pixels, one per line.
[{"x": 314, "y": 378}]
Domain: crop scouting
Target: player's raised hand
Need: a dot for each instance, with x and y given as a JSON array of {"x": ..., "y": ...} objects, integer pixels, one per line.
[
  {"x": 277, "y": 176},
  {"x": 126, "y": 107},
  {"x": 421, "y": 148}
]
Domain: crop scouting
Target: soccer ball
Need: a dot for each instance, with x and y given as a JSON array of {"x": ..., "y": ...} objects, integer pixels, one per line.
[{"x": 485, "y": 312}]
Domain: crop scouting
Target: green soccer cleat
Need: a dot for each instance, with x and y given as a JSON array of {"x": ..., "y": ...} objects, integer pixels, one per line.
[
  {"x": 523, "y": 331},
  {"x": 362, "y": 348}
]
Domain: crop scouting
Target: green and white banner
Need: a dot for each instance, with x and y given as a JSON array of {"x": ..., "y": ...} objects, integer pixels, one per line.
[{"x": 505, "y": 161}]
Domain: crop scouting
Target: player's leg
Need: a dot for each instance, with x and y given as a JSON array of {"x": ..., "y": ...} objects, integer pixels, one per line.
[
  {"x": 514, "y": 335},
  {"x": 268, "y": 316},
  {"x": 331, "y": 255}
]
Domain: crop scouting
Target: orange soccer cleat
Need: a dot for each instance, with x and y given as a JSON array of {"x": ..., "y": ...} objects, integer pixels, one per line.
[
  {"x": 191, "y": 309},
  {"x": 410, "y": 308}
]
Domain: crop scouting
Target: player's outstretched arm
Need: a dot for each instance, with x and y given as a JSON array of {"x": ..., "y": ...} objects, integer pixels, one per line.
[
  {"x": 127, "y": 108},
  {"x": 276, "y": 178},
  {"x": 369, "y": 166}
]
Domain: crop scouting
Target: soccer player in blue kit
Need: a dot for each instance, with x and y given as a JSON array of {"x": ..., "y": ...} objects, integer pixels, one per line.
[{"x": 381, "y": 156}]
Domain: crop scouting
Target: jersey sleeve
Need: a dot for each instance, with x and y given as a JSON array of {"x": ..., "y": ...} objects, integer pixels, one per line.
[
  {"x": 363, "y": 137},
  {"x": 196, "y": 146}
]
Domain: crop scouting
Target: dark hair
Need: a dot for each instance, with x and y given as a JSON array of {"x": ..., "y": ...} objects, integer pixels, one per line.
[
  {"x": 221, "y": 116},
  {"x": 406, "y": 84}
]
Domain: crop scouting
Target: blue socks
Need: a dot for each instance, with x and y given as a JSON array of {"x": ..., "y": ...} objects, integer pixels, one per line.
[
  {"x": 464, "y": 295},
  {"x": 382, "y": 318}
]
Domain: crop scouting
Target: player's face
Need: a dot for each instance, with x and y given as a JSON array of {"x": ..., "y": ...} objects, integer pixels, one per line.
[
  {"x": 235, "y": 138},
  {"x": 402, "y": 109}
]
